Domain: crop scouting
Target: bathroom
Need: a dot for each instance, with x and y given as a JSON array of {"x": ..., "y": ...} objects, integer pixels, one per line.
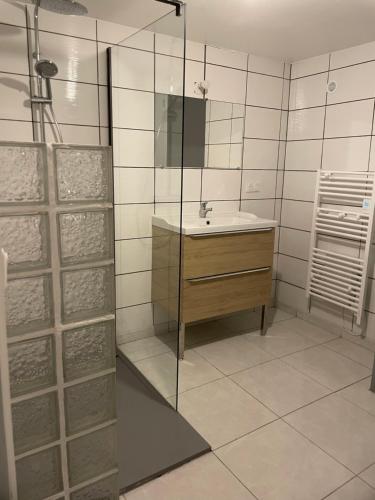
[{"x": 187, "y": 273}]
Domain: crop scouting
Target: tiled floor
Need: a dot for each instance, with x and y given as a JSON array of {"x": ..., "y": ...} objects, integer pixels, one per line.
[{"x": 289, "y": 416}]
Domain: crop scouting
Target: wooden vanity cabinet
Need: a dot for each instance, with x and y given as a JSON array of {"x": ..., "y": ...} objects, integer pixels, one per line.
[{"x": 221, "y": 273}]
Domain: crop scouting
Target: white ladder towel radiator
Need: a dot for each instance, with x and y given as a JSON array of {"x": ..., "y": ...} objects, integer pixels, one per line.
[{"x": 335, "y": 277}]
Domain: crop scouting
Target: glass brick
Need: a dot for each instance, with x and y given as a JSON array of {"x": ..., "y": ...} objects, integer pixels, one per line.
[
  {"x": 92, "y": 454},
  {"x": 86, "y": 236},
  {"x": 35, "y": 422},
  {"x": 25, "y": 239},
  {"x": 90, "y": 403},
  {"x": 39, "y": 475},
  {"x": 22, "y": 173},
  {"x": 107, "y": 489},
  {"x": 87, "y": 293},
  {"x": 29, "y": 305},
  {"x": 89, "y": 350},
  {"x": 32, "y": 365},
  {"x": 83, "y": 174}
]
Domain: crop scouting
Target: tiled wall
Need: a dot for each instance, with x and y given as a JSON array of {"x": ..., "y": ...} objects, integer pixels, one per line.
[
  {"x": 329, "y": 131},
  {"x": 142, "y": 188},
  {"x": 78, "y": 46}
]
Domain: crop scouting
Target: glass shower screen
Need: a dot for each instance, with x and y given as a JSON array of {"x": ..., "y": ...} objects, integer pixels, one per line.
[{"x": 147, "y": 108}]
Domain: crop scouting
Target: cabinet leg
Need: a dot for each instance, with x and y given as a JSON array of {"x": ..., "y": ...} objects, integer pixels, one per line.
[
  {"x": 181, "y": 341},
  {"x": 372, "y": 388},
  {"x": 264, "y": 321}
]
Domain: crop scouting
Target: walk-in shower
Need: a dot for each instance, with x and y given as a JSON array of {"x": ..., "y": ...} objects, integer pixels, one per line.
[{"x": 45, "y": 68}]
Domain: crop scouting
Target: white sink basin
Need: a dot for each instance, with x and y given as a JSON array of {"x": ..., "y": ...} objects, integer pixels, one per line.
[{"x": 192, "y": 224}]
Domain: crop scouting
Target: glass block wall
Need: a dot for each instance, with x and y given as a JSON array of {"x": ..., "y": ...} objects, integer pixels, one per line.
[{"x": 56, "y": 224}]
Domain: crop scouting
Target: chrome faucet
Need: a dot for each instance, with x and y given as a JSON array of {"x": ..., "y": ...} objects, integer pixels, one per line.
[{"x": 203, "y": 211}]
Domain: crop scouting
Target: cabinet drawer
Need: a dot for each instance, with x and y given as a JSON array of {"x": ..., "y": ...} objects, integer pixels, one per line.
[
  {"x": 224, "y": 253},
  {"x": 206, "y": 298}
]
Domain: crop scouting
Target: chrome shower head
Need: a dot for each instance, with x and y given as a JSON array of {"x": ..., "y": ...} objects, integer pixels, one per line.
[
  {"x": 46, "y": 68},
  {"x": 66, "y": 7}
]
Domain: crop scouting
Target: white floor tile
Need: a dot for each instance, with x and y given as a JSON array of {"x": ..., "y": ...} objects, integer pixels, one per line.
[
  {"x": 327, "y": 367},
  {"x": 280, "y": 387},
  {"x": 233, "y": 354},
  {"x": 277, "y": 463},
  {"x": 203, "y": 479},
  {"x": 221, "y": 411},
  {"x": 340, "y": 428},
  {"x": 352, "y": 351},
  {"x": 354, "y": 489},
  {"x": 360, "y": 395},
  {"x": 369, "y": 476}
]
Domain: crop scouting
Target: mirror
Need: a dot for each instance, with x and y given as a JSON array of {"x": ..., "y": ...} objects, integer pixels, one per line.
[
  {"x": 213, "y": 132},
  {"x": 224, "y": 134}
]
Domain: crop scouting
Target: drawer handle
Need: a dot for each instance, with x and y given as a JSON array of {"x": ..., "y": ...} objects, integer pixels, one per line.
[
  {"x": 223, "y": 233},
  {"x": 228, "y": 275}
]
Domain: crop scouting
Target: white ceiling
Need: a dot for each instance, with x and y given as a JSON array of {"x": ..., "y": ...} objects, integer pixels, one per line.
[{"x": 282, "y": 29}]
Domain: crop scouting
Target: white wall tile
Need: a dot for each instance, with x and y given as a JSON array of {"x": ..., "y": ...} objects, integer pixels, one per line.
[
  {"x": 262, "y": 123},
  {"x": 258, "y": 184},
  {"x": 261, "y": 208},
  {"x": 351, "y": 153},
  {"x": 353, "y": 55},
  {"x": 82, "y": 27},
  {"x": 72, "y": 134},
  {"x": 133, "y": 148},
  {"x": 285, "y": 97},
  {"x": 132, "y": 69},
  {"x": 265, "y": 66},
  {"x": 75, "y": 103},
  {"x": 194, "y": 72},
  {"x": 113, "y": 33},
  {"x": 224, "y": 207},
  {"x": 356, "y": 82},
  {"x": 103, "y": 106},
  {"x": 219, "y": 132},
  {"x": 351, "y": 119},
  {"x": 76, "y": 58},
  {"x": 372, "y": 157},
  {"x": 310, "y": 66},
  {"x": 133, "y": 221},
  {"x": 133, "y": 289},
  {"x": 169, "y": 45},
  {"x": 13, "y": 49},
  {"x": 279, "y": 184},
  {"x": 226, "y": 84},
  {"x": 134, "y": 185},
  {"x": 264, "y": 91},
  {"x": 306, "y": 124},
  {"x": 195, "y": 51},
  {"x": 14, "y": 97},
  {"x": 102, "y": 64},
  {"x": 133, "y": 109},
  {"x": 134, "y": 323},
  {"x": 221, "y": 184},
  {"x": 297, "y": 214},
  {"x": 142, "y": 39},
  {"x": 299, "y": 185},
  {"x": 291, "y": 296},
  {"x": 224, "y": 57},
  {"x": 370, "y": 332},
  {"x": 16, "y": 131},
  {"x": 219, "y": 156},
  {"x": 235, "y": 156},
  {"x": 13, "y": 13},
  {"x": 292, "y": 270},
  {"x": 308, "y": 92},
  {"x": 294, "y": 243},
  {"x": 303, "y": 155},
  {"x": 168, "y": 184},
  {"x": 133, "y": 255},
  {"x": 169, "y": 75}
]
